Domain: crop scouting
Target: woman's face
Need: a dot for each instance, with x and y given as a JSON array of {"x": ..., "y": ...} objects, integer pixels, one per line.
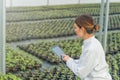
[{"x": 79, "y": 31}]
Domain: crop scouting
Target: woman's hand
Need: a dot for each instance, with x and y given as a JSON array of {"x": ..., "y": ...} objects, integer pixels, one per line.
[{"x": 65, "y": 57}]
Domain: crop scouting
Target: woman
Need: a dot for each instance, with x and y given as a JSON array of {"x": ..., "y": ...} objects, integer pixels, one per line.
[{"x": 92, "y": 64}]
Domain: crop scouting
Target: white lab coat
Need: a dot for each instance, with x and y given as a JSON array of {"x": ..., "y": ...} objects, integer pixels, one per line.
[{"x": 92, "y": 64}]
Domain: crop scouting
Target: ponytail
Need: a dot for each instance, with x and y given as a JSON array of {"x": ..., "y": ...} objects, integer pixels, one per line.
[{"x": 96, "y": 28}]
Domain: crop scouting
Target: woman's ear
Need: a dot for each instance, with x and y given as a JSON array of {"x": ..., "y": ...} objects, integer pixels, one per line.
[{"x": 83, "y": 29}]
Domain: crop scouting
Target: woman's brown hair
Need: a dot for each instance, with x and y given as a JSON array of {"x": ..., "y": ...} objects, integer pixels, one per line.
[{"x": 87, "y": 22}]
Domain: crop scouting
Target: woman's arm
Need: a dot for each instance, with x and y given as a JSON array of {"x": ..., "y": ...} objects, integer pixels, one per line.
[{"x": 85, "y": 66}]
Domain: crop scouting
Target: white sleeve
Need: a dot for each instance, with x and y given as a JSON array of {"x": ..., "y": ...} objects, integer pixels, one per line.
[
  {"x": 85, "y": 66},
  {"x": 76, "y": 61}
]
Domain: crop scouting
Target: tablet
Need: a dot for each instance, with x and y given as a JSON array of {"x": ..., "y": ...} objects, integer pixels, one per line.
[{"x": 58, "y": 51}]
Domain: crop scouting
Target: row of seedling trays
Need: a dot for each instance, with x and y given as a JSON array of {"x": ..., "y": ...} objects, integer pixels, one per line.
[{"x": 48, "y": 29}]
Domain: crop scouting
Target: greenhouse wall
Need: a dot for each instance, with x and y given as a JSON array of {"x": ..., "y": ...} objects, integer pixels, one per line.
[{"x": 14, "y": 3}]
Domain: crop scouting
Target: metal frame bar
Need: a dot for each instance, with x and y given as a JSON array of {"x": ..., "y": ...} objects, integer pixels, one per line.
[
  {"x": 101, "y": 19},
  {"x": 2, "y": 37},
  {"x": 48, "y": 2},
  {"x": 106, "y": 25},
  {"x": 78, "y": 1}
]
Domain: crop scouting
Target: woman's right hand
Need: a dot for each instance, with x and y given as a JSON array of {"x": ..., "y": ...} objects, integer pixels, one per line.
[{"x": 65, "y": 57}]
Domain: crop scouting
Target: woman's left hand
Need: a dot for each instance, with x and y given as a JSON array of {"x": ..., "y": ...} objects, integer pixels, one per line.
[{"x": 65, "y": 57}]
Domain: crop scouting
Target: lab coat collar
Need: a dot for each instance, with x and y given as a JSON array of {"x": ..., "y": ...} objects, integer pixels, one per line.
[{"x": 87, "y": 40}]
